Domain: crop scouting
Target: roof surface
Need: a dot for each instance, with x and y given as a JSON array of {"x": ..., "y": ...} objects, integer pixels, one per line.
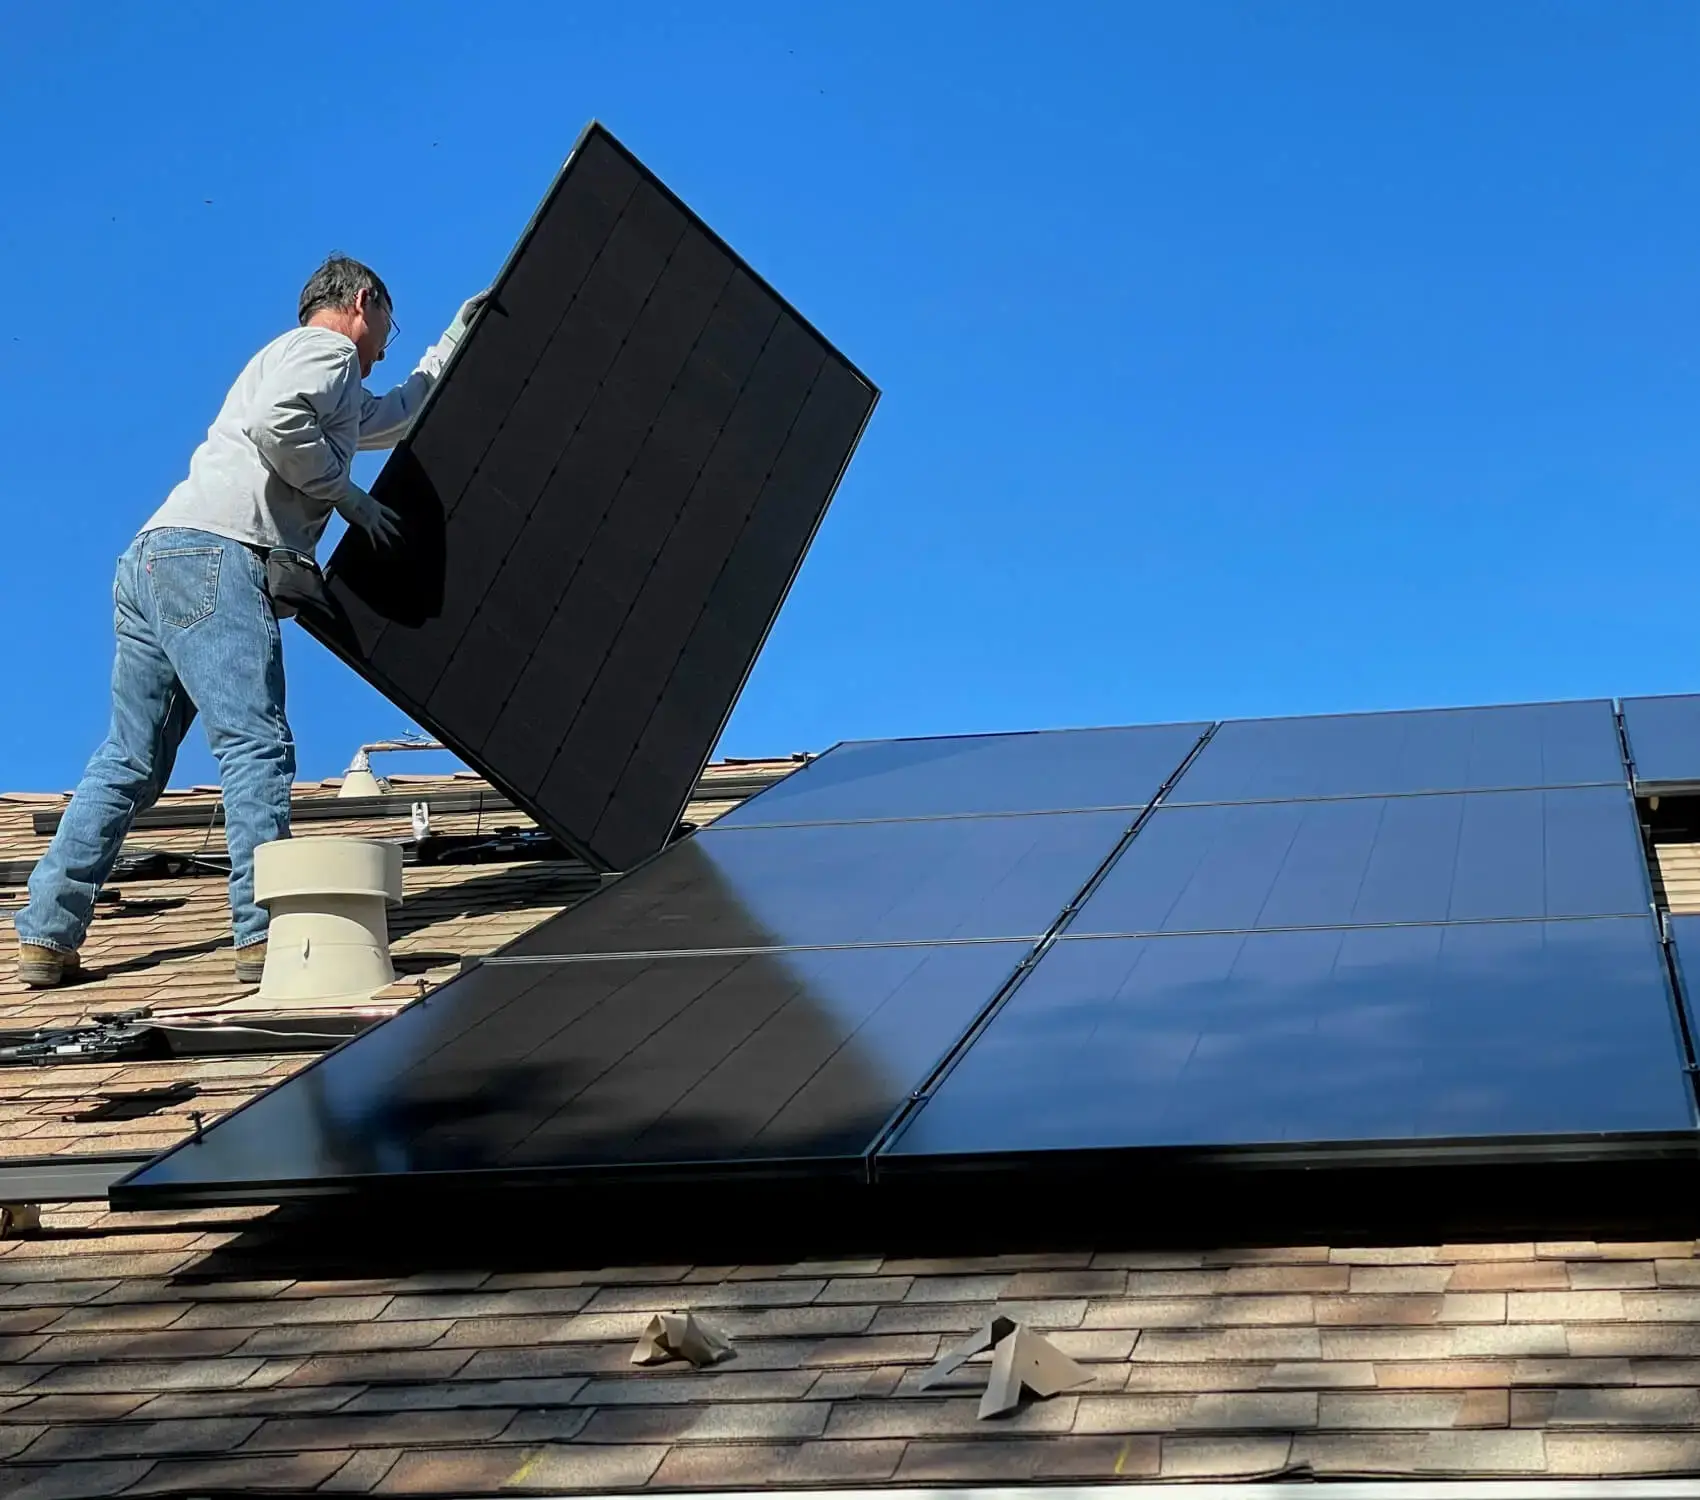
[{"x": 256, "y": 1349}]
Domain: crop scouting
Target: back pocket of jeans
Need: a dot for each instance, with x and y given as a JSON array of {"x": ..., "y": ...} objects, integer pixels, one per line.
[{"x": 185, "y": 584}]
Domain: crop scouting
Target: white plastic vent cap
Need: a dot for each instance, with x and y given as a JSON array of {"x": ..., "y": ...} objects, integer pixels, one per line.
[{"x": 329, "y": 901}]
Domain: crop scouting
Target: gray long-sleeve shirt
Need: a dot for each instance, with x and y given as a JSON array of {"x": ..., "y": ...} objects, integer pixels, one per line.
[{"x": 275, "y": 461}]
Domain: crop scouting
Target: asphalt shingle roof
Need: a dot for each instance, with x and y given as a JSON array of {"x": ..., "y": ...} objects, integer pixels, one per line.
[{"x": 268, "y": 1349}]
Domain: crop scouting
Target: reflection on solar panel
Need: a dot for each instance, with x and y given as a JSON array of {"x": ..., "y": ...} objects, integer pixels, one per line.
[
  {"x": 1510, "y": 1030},
  {"x": 1664, "y": 742},
  {"x": 719, "y": 1063},
  {"x": 926, "y": 881},
  {"x": 1056, "y": 771},
  {"x": 1340, "y": 933},
  {"x": 1443, "y": 858},
  {"x": 1435, "y": 750},
  {"x": 603, "y": 505},
  {"x": 1019, "y": 951}
]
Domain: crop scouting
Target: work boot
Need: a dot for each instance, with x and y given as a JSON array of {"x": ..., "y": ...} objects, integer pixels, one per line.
[
  {"x": 251, "y": 963},
  {"x": 45, "y": 968}
]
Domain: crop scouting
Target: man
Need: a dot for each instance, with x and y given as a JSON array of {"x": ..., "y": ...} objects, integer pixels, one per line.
[{"x": 197, "y": 630}]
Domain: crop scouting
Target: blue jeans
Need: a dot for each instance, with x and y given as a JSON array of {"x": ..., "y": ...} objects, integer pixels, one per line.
[{"x": 196, "y": 633}]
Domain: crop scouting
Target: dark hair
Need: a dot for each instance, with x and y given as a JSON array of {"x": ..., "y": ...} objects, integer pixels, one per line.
[{"x": 337, "y": 283}]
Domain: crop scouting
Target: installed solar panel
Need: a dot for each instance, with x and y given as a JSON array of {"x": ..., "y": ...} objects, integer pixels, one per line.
[
  {"x": 719, "y": 1063},
  {"x": 1685, "y": 943},
  {"x": 1438, "y": 750},
  {"x": 604, "y": 504},
  {"x": 1541, "y": 1029},
  {"x": 1664, "y": 742},
  {"x": 965, "y": 775},
  {"x": 848, "y": 976},
  {"x": 1444, "y": 858},
  {"x": 959, "y": 878}
]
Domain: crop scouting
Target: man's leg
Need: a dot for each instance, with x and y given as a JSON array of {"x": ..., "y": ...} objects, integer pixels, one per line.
[
  {"x": 150, "y": 714},
  {"x": 217, "y": 626}
]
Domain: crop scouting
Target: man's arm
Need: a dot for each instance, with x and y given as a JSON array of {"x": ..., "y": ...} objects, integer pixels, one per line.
[
  {"x": 384, "y": 419},
  {"x": 300, "y": 398}
]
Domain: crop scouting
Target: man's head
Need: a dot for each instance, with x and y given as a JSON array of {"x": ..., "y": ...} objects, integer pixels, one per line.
[{"x": 351, "y": 298}]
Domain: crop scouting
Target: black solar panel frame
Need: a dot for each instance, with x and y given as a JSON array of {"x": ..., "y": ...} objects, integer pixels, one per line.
[{"x": 360, "y": 630}]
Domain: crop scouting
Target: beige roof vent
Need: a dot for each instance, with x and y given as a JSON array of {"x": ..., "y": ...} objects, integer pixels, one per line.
[{"x": 329, "y": 901}]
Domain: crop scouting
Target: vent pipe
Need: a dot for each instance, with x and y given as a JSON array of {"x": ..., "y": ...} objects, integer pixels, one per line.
[
  {"x": 359, "y": 779},
  {"x": 329, "y": 901}
]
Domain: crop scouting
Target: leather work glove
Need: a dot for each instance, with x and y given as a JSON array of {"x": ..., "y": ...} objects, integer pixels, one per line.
[{"x": 359, "y": 508}]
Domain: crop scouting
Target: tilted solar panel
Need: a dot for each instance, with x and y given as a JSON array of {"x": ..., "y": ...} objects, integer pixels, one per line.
[{"x": 604, "y": 504}]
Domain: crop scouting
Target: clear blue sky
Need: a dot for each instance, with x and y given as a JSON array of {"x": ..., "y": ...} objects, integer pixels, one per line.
[{"x": 1238, "y": 358}]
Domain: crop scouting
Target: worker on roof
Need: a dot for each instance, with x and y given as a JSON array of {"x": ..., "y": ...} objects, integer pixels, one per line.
[{"x": 197, "y": 625}]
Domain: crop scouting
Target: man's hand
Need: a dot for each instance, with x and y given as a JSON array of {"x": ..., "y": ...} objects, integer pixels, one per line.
[
  {"x": 469, "y": 310},
  {"x": 381, "y": 524}
]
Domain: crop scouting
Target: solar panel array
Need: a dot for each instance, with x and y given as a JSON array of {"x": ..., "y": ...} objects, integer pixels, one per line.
[
  {"x": 764, "y": 995},
  {"x": 603, "y": 506},
  {"x": 1336, "y": 931},
  {"x": 1015, "y": 951}
]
